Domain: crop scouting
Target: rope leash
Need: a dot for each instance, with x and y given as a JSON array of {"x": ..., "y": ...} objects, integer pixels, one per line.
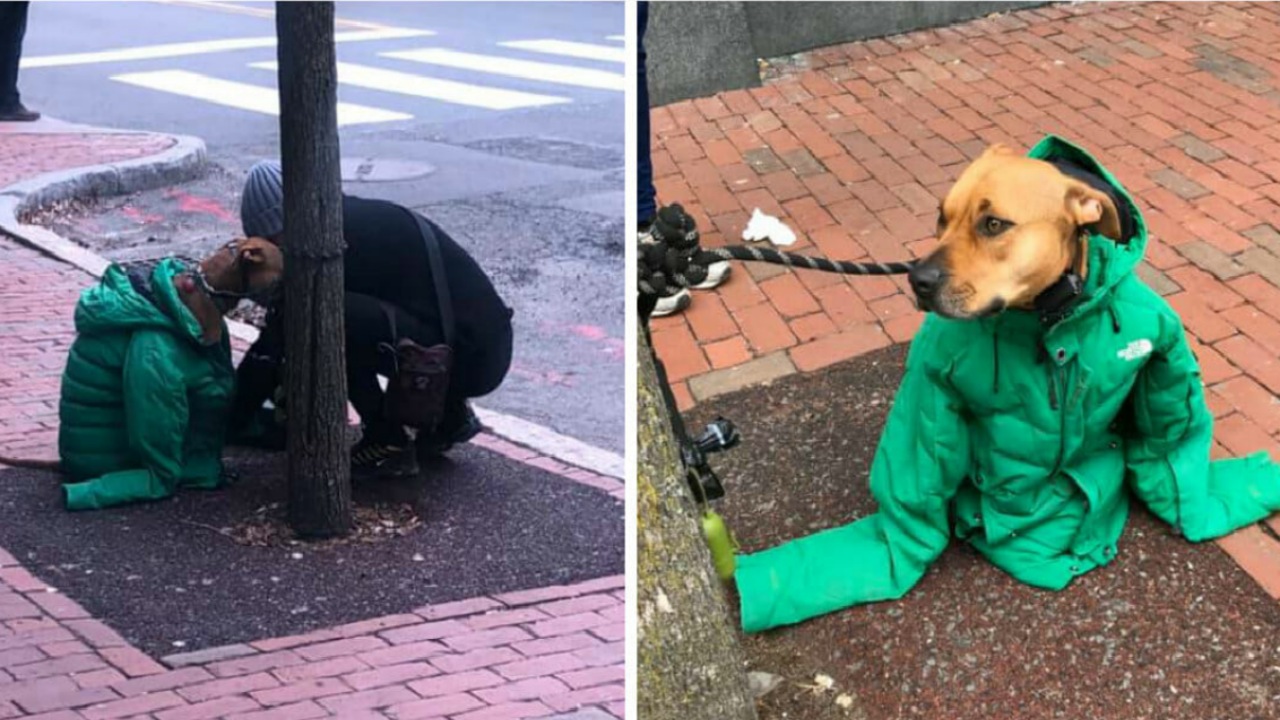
[
  {"x": 808, "y": 262},
  {"x": 656, "y": 282},
  {"x": 225, "y": 299}
]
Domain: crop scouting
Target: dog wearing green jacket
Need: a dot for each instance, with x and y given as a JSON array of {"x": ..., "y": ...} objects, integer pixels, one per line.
[
  {"x": 149, "y": 379},
  {"x": 1046, "y": 385}
]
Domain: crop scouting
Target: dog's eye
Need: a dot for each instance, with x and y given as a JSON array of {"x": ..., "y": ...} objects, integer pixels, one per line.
[{"x": 992, "y": 226}]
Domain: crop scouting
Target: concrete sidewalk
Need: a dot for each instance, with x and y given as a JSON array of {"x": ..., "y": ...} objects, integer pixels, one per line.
[
  {"x": 854, "y": 146},
  {"x": 535, "y": 653}
]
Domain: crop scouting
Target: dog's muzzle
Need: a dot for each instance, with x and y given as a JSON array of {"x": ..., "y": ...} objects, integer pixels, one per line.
[{"x": 226, "y": 299}]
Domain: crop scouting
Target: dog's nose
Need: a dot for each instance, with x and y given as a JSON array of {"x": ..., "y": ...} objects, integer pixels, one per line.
[{"x": 925, "y": 279}]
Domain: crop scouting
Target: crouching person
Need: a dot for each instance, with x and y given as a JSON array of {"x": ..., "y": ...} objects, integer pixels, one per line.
[{"x": 392, "y": 292}]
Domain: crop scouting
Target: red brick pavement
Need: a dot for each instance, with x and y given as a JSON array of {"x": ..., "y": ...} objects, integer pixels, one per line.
[
  {"x": 25, "y": 155},
  {"x": 535, "y": 653},
  {"x": 37, "y": 295},
  {"x": 526, "y": 654},
  {"x": 853, "y": 146}
]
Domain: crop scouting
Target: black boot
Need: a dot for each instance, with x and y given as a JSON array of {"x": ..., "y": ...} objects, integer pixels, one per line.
[{"x": 18, "y": 113}]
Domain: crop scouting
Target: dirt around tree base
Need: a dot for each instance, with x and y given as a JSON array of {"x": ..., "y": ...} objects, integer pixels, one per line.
[
  {"x": 1170, "y": 629},
  {"x": 218, "y": 567},
  {"x": 268, "y": 526}
]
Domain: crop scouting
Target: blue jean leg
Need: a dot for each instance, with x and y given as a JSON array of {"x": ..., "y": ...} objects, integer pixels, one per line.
[
  {"x": 13, "y": 25},
  {"x": 646, "y": 204}
]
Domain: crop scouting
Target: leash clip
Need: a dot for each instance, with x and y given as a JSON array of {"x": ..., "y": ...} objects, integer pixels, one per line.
[{"x": 1056, "y": 301}]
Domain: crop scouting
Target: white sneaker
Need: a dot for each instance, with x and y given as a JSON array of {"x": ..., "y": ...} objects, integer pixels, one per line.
[
  {"x": 672, "y": 304},
  {"x": 717, "y": 272}
]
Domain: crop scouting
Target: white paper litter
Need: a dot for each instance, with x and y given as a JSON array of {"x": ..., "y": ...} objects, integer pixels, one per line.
[{"x": 767, "y": 227}]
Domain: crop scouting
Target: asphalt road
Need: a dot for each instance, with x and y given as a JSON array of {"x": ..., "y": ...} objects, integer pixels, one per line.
[{"x": 510, "y": 137}]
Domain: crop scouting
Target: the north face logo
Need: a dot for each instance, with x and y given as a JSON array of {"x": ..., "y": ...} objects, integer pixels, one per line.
[{"x": 1136, "y": 349}]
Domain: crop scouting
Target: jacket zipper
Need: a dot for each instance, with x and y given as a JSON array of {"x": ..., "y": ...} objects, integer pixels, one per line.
[{"x": 1057, "y": 376}]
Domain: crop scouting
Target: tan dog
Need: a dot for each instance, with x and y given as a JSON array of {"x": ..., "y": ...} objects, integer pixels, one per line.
[
  {"x": 1007, "y": 231},
  {"x": 245, "y": 268}
]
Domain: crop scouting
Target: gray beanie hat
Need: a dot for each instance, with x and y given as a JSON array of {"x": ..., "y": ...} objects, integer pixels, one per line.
[{"x": 262, "y": 202}]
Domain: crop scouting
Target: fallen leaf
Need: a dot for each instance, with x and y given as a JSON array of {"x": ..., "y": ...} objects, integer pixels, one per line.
[{"x": 762, "y": 683}]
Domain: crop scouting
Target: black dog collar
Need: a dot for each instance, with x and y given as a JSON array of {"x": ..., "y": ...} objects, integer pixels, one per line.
[{"x": 1056, "y": 301}]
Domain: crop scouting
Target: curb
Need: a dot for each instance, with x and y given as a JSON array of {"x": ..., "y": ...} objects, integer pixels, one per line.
[{"x": 182, "y": 162}]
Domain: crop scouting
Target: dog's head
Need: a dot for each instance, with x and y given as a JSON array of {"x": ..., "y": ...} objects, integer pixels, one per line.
[
  {"x": 250, "y": 267},
  {"x": 243, "y": 268},
  {"x": 1007, "y": 230}
]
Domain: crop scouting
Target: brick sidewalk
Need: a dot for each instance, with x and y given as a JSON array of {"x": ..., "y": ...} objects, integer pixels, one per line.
[
  {"x": 536, "y": 653},
  {"x": 854, "y": 145},
  {"x": 25, "y": 155},
  {"x": 523, "y": 654}
]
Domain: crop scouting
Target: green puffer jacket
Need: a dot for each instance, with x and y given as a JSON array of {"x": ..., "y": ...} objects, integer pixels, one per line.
[
  {"x": 144, "y": 403},
  {"x": 1025, "y": 442}
]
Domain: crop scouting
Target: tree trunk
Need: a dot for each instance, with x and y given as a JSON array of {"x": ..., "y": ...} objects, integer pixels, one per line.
[
  {"x": 690, "y": 664},
  {"x": 315, "y": 382}
]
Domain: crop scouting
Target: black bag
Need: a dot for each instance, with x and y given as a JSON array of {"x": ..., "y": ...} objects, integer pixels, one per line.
[{"x": 420, "y": 381}]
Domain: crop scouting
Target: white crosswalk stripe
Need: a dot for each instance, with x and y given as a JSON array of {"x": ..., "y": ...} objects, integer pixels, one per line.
[
  {"x": 472, "y": 79},
  {"x": 244, "y": 96},
  {"x": 447, "y": 90},
  {"x": 526, "y": 69},
  {"x": 586, "y": 51},
  {"x": 204, "y": 47}
]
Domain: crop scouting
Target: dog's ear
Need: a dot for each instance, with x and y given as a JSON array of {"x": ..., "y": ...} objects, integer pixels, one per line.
[
  {"x": 1089, "y": 207},
  {"x": 253, "y": 255}
]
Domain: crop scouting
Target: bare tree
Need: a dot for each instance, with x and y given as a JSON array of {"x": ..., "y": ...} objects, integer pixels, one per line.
[
  {"x": 319, "y": 472},
  {"x": 690, "y": 663}
]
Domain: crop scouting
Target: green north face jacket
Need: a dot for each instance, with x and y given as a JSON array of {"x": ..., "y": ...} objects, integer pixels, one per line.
[
  {"x": 1026, "y": 443},
  {"x": 144, "y": 403}
]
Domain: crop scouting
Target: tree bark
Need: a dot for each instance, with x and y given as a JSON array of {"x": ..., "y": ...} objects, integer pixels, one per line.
[
  {"x": 315, "y": 370},
  {"x": 690, "y": 663}
]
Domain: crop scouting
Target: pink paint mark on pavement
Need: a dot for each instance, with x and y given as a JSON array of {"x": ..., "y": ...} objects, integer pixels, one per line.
[
  {"x": 188, "y": 203},
  {"x": 542, "y": 377},
  {"x": 611, "y": 347},
  {"x": 142, "y": 218},
  {"x": 615, "y": 349},
  {"x": 590, "y": 332}
]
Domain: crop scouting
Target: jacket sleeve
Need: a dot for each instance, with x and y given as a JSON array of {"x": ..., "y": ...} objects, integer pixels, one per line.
[
  {"x": 155, "y": 401},
  {"x": 922, "y": 457},
  {"x": 1168, "y": 454}
]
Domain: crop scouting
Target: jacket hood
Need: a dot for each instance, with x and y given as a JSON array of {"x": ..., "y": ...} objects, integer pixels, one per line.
[
  {"x": 125, "y": 300},
  {"x": 1109, "y": 262}
]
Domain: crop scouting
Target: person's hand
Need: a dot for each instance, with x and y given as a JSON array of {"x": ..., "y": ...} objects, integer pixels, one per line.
[{"x": 278, "y": 400}]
